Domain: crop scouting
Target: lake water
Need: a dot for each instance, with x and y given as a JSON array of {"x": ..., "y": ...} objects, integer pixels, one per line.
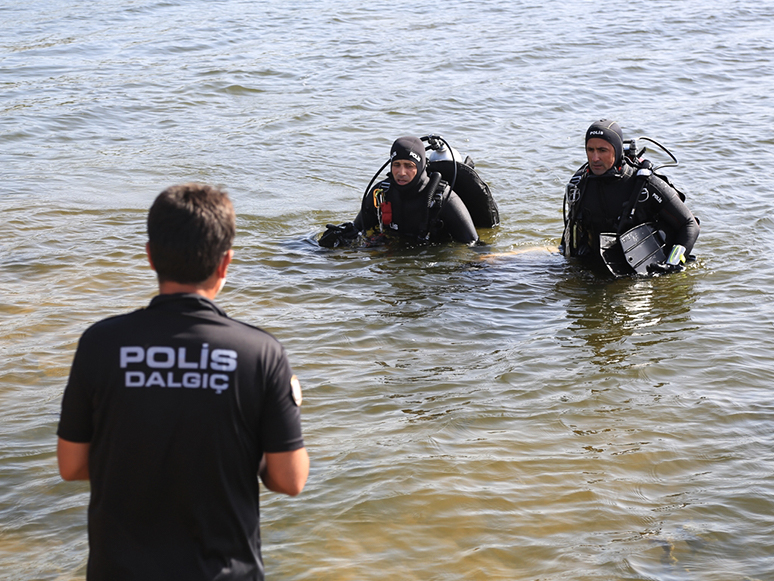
[{"x": 467, "y": 418}]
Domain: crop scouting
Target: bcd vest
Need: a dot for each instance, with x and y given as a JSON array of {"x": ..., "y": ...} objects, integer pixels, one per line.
[{"x": 437, "y": 191}]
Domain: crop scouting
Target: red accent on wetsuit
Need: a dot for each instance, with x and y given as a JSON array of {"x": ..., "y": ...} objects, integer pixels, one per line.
[{"x": 387, "y": 213}]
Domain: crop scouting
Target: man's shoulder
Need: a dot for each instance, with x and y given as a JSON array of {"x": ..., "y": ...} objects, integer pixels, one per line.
[
  {"x": 457, "y": 204},
  {"x": 662, "y": 185},
  {"x": 125, "y": 324},
  {"x": 661, "y": 180},
  {"x": 579, "y": 174},
  {"x": 254, "y": 330},
  {"x": 113, "y": 323}
]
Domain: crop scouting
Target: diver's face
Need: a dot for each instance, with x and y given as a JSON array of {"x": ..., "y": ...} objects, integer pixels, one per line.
[
  {"x": 600, "y": 154},
  {"x": 403, "y": 171}
]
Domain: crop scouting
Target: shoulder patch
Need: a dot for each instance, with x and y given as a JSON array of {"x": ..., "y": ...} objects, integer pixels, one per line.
[{"x": 295, "y": 390}]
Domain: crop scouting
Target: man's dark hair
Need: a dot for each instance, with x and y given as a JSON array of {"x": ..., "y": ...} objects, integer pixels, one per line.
[{"x": 190, "y": 228}]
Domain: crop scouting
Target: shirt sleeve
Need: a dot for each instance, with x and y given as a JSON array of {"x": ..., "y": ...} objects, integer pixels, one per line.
[{"x": 281, "y": 414}]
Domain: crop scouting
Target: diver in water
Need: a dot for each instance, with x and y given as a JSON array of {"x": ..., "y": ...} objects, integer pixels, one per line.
[
  {"x": 411, "y": 204},
  {"x": 611, "y": 197}
]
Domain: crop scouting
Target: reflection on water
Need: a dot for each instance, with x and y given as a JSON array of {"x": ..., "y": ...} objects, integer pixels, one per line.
[{"x": 620, "y": 318}]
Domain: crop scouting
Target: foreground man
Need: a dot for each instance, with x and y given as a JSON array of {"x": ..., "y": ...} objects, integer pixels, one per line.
[
  {"x": 173, "y": 411},
  {"x": 612, "y": 194}
]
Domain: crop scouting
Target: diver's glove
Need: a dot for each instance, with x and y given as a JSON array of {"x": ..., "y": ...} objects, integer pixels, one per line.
[
  {"x": 341, "y": 235},
  {"x": 673, "y": 263}
]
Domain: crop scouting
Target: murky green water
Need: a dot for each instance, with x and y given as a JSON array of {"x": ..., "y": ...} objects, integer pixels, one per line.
[{"x": 468, "y": 418}]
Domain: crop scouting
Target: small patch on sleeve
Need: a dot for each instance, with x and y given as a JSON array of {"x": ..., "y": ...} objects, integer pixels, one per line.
[{"x": 295, "y": 390}]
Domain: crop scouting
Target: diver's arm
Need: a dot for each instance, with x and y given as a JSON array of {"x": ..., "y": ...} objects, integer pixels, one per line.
[
  {"x": 360, "y": 222},
  {"x": 676, "y": 214},
  {"x": 366, "y": 218},
  {"x": 457, "y": 220}
]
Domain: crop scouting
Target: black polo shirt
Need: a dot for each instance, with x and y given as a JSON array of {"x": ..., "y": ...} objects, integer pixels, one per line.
[{"x": 178, "y": 403}]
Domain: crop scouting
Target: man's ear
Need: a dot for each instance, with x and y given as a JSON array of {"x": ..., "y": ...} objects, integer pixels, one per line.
[
  {"x": 224, "y": 262},
  {"x": 147, "y": 251}
]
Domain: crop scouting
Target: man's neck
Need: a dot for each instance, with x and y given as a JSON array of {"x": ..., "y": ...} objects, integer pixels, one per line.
[
  {"x": 207, "y": 288},
  {"x": 171, "y": 287}
]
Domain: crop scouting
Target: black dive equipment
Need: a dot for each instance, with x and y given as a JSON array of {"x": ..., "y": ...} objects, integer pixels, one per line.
[
  {"x": 443, "y": 163},
  {"x": 634, "y": 250},
  {"x": 338, "y": 235},
  {"x": 634, "y": 153},
  {"x": 464, "y": 181},
  {"x": 637, "y": 250}
]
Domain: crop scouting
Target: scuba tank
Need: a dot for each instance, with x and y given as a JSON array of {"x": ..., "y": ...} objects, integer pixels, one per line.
[
  {"x": 463, "y": 179},
  {"x": 440, "y": 150}
]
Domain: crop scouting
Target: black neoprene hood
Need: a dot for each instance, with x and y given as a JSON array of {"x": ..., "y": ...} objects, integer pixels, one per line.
[
  {"x": 412, "y": 149},
  {"x": 611, "y": 132}
]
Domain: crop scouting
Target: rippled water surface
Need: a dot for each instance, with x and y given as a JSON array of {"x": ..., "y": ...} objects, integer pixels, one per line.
[{"x": 469, "y": 417}]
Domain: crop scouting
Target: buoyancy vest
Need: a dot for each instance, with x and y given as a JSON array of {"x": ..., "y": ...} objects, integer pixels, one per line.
[
  {"x": 436, "y": 191},
  {"x": 628, "y": 196},
  {"x": 579, "y": 228}
]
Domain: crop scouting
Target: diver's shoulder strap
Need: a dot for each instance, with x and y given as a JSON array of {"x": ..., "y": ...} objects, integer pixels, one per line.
[
  {"x": 573, "y": 193},
  {"x": 643, "y": 175},
  {"x": 440, "y": 194},
  {"x": 383, "y": 214},
  {"x": 379, "y": 191}
]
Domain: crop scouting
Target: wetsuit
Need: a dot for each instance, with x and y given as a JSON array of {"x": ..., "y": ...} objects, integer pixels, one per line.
[
  {"x": 596, "y": 204},
  {"x": 178, "y": 402},
  {"x": 418, "y": 212}
]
